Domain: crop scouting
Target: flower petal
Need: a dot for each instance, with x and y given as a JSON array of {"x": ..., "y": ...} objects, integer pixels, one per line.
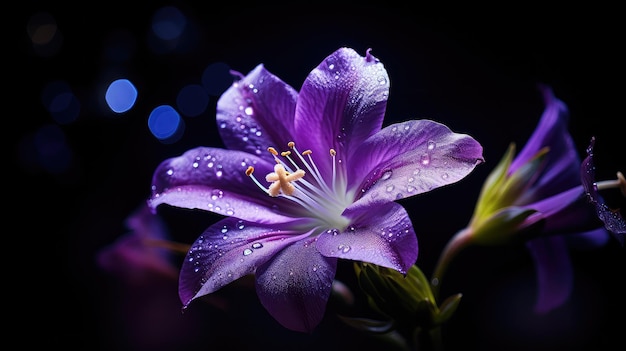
[
  {"x": 342, "y": 102},
  {"x": 295, "y": 286},
  {"x": 562, "y": 162},
  {"x": 384, "y": 237},
  {"x": 565, "y": 213},
  {"x": 226, "y": 251},
  {"x": 554, "y": 272},
  {"x": 256, "y": 113},
  {"x": 214, "y": 180},
  {"x": 411, "y": 158},
  {"x": 613, "y": 220}
]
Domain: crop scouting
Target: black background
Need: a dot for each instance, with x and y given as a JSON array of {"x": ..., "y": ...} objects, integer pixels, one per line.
[{"x": 474, "y": 71}]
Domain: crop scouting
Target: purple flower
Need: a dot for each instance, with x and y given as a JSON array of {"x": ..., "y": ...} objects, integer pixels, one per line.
[
  {"x": 307, "y": 178},
  {"x": 538, "y": 197},
  {"x": 139, "y": 256}
]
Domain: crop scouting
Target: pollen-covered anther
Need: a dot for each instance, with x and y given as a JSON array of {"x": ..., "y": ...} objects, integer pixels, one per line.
[
  {"x": 249, "y": 171},
  {"x": 282, "y": 180},
  {"x": 333, "y": 153}
]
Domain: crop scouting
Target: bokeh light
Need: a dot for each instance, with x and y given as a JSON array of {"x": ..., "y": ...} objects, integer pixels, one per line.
[
  {"x": 165, "y": 124},
  {"x": 121, "y": 95},
  {"x": 60, "y": 101}
]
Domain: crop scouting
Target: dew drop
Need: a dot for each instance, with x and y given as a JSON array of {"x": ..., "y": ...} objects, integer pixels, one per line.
[
  {"x": 343, "y": 248},
  {"x": 425, "y": 159},
  {"x": 194, "y": 165},
  {"x": 169, "y": 172},
  {"x": 248, "y": 111},
  {"x": 247, "y": 252},
  {"x": 257, "y": 245},
  {"x": 230, "y": 211},
  {"x": 390, "y": 188},
  {"x": 224, "y": 229},
  {"x": 431, "y": 145},
  {"x": 217, "y": 194},
  {"x": 386, "y": 175},
  {"x": 444, "y": 176}
]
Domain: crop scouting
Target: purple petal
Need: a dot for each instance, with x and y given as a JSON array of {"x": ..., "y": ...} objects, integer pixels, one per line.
[
  {"x": 561, "y": 169},
  {"x": 382, "y": 235},
  {"x": 411, "y": 158},
  {"x": 554, "y": 272},
  {"x": 295, "y": 285},
  {"x": 227, "y": 251},
  {"x": 257, "y": 112},
  {"x": 613, "y": 220},
  {"x": 342, "y": 102},
  {"x": 214, "y": 180},
  {"x": 565, "y": 213}
]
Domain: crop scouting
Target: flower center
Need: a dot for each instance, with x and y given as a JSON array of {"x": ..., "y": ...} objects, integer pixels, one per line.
[{"x": 299, "y": 180}]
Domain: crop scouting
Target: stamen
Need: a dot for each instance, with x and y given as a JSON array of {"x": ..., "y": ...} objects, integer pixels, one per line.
[
  {"x": 619, "y": 183},
  {"x": 249, "y": 173},
  {"x": 314, "y": 171},
  {"x": 272, "y": 151},
  {"x": 333, "y": 153}
]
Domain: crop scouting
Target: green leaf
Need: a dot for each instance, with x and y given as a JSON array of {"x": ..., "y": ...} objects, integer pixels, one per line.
[
  {"x": 501, "y": 227},
  {"x": 447, "y": 308}
]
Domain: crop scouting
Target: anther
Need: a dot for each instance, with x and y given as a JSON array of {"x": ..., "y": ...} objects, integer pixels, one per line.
[
  {"x": 285, "y": 153},
  {"x": 333, "y": 152},
  {"x": 249, "y": 171},
  {"x": 307, "y": 152},
  {"x": 272, "y": 151},
  {"x": 291, "y": 144}
]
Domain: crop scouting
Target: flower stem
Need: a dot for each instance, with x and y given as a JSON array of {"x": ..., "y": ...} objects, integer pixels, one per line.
[{"x": 460, "y": 240}]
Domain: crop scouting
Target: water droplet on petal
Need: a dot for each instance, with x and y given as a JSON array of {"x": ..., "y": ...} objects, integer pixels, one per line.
[
  {"x": 343, "y": 248},
  {"x": 257, "y": 245},
  {"x": 431, "y": 145},
  {"x": 247, "y": 252},
  {"x": 425, "y": 159},
  {"x": 386, "y": 175}
]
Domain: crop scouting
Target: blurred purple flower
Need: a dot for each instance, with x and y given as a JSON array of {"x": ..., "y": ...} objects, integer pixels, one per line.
[
  {"x": 332, "y": 199},
  {"x": 537, "y": 198},
  {"x": 135, "y": 256}
]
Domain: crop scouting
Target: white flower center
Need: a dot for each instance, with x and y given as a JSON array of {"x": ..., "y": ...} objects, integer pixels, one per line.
[{"x": 299, "y": 180}]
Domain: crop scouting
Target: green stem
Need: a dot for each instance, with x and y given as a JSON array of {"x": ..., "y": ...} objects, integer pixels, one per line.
[
  {"x": 429, "y": 340},
  {"x": 460, "y": 240}
]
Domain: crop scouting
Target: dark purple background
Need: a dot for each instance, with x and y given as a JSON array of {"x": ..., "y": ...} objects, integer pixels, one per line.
[{"x": 477, "y": 74}]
